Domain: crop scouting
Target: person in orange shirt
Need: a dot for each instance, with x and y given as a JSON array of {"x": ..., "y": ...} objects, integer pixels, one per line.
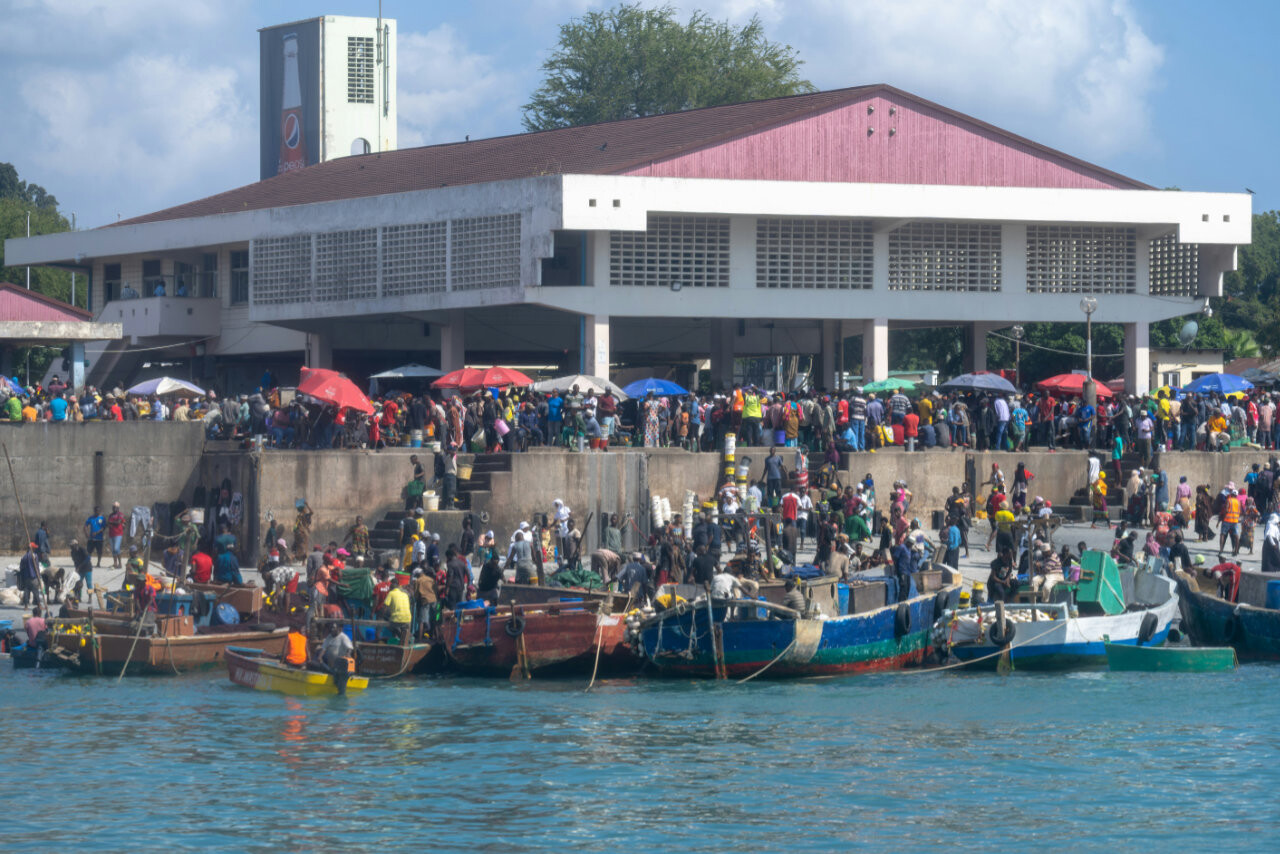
[
  {"x": 295, "y": 649},
  {"x": 1230, "y": 527},
  {"x": 1216, "y": 435}
]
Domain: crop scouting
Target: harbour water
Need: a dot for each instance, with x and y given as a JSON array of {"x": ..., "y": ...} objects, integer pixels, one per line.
[{"x": 899, "y": 762}]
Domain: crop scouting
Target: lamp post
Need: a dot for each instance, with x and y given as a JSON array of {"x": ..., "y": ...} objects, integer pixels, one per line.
[
  {"x": 1018, "y": 332},
  {"x": 1089, "y": 305}
]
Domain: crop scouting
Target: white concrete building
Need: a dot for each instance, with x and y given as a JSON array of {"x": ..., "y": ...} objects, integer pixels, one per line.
[{"x": 774, "y": 227}]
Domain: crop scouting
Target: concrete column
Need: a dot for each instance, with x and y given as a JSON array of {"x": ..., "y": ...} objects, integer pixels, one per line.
[
  {"x": 975, "y": 356},
  {"x": 875, "y": 349},
  {"x": 453, "y": 342},
  {"x": 319, "y": 351},
  {"x": 6, "y": 361},
  {"x": 1137, "y": 358},
  {"x": 722, "y": 333},
  {"x": 594, "y": 346},
  {"x": 831, "y": 342},
  {"x": 77, "y": 364}
]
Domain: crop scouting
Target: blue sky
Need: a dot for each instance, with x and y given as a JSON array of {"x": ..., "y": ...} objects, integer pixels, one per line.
[{"x": 120, "y": 107}]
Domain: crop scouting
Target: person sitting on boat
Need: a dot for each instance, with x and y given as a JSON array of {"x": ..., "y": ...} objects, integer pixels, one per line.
[
  {"x": 295, "y": 648},
  {"x": 35, "y": 626},
  {"x": 633, "y": 578},
  {"x": 837, "y": 564},
  {"x": 1002, "y": 582},
  {"x": 201, "y": 568},
  {"x": 336, "y": 651},
  {"x": 1179, "y": 556},
  {"x": 725, "y": 585},
  {"x": 490, "y": 581},
  {"x": 399, "y": 613},
  {"x": 793, "y": 598},
  {"x": 1047, "y": 571}
]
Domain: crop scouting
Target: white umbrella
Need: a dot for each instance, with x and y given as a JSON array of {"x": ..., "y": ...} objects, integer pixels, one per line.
[
  {"x": 595, "y": 385},
  {"x": 411, "y": 370},
  {"x": 165, "y": 385}
]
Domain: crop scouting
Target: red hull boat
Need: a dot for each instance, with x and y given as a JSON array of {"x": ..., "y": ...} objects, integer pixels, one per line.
[{"x": 549, "y": 639}]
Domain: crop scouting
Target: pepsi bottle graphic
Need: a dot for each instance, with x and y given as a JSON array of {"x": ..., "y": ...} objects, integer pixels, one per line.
[{"x": 293, "y": 144}]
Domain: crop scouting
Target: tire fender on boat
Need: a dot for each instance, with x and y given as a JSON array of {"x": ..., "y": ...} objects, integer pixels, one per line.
[
  {"x": 514, "y": 626},
  {"x": 1002, "y": 628},
  {"x": 940, "y": 604},
  {"x": 902, "y": 620},
  {"x": 1150, "y": 622}
]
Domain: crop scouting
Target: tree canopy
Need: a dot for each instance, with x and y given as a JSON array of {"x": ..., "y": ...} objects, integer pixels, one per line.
[
  {"x": 17, "y": 198},
  {"x": 629, "y": 61}
]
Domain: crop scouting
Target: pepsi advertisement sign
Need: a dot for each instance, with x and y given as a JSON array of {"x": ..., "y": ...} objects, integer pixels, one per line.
[{"x": 289, "y": 97}]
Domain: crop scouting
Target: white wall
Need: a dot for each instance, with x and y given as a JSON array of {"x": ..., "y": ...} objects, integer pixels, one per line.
[{"x": 342, "y": 121}]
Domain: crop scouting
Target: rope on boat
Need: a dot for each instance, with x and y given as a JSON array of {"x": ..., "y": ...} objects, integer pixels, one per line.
[
  {"x": 956, "y": 664},
  {"x": 600, "y": 638},
  {"x": 771, "y": 663}
]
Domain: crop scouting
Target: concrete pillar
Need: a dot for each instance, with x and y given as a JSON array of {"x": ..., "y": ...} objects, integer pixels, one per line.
[
  {"x": 319, "y": 351},
  {"x": 1137, "y": 358},
  {"x": 722, "y": 333},
  {"x": 975, "y": 353},
  {"x": 77, "y": 365},
  {"x": 831, "y": 342},
  {"x": 875, "y": 349},
  {"x": 453, "y": 342},
  {"x": 594, "y": 346},
  {"x": 6, "y": 361}
]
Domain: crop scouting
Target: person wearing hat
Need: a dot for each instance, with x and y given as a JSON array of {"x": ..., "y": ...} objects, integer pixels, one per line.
[{"x": 1047, "y": 570}]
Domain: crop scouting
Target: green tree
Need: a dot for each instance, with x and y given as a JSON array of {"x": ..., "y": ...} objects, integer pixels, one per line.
[{"x": 630, "y": 61}]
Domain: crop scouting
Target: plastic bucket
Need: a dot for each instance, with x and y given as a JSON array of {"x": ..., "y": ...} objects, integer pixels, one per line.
[
  {"x": 500, "y": 427},
  {"x": 744, "y": 468},
  {"x": 464, "y": 471},
  {"x": 415, "y": 438},
  {"x": 430, "y": 502},
  {"x": 730, "y": 445},
  {"x": 1273, "y": 596}
]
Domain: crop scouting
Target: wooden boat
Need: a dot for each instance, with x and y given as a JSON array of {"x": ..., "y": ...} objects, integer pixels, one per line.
[
  {"x": 1170, "y": 659},
  {"x": 741, "y": 638},
  {"x": 1246, "y": 624},
  {"x": 377, "y": 654},
  {"x": 1129, "y": 607},
  {"x": 257, "y": 669},
  {"x": 549, "y": 639},
  {"x": 537, "y": 594},
  {"x": 172, "y": 646}
]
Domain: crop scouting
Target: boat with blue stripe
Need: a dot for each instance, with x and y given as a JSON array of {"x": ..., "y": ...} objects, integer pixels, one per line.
[{"x": 738, "y": 638}]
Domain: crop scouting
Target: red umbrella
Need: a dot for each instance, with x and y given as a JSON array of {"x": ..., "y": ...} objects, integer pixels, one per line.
[
  {"x": 332, "y": 387},
  {"x": 1071, "y": 385},
  {"x": 496, "y": 377}
]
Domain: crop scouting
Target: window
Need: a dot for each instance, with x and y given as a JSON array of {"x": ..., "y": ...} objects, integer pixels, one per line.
[
  {"x": 239, "y": 277},
  {"x": 1175, "y": 267},
  {"x": 359, "y": 70},
  {"x": 692, "y": 251},
  {"x": 567, "y": 265},
  {"x": 110, "y": 282},
  {"x": 944, "y": 256},
  {"x": 813, "y": 253},
  {"x": 485, "y": 252},
  {"x": 151, "y": 278},
  {"x": 208, "y": 285},
  {"x": 1081, "y": 259}
]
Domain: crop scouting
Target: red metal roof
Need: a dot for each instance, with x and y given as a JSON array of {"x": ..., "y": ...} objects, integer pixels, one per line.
[
  {"x": 610, "y": 148},
  {"x": 18, "y": 303}
]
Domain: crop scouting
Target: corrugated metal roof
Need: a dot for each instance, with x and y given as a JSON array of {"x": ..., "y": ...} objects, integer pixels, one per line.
[
  {"x": 18, "y": 303},
  {"x": 599, "y": 149}
]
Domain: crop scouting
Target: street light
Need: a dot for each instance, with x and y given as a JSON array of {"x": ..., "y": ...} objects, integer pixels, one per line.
[
  {"x": 1089, "y": 305},
  {"x": 1018, "y": 332}
]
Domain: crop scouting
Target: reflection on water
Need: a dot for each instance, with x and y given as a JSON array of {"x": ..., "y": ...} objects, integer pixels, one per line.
[{"x": 891, "y": 762}]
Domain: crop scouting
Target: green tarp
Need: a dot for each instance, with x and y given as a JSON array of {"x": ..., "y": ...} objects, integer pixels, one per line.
[{"x": 356, "y": 584}]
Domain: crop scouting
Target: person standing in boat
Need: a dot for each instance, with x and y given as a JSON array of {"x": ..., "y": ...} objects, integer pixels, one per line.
[
  {"x": 399, "y": 612},
  {"x": 457, "y": 577},
  {"x": 226, "y": 569},
  {"x": 520, "y": 556}
]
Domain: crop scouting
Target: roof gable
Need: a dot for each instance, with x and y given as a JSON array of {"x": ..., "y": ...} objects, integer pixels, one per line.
[
  {"x": 18, "y": 303},
  {"x": 818, "y": 136}
]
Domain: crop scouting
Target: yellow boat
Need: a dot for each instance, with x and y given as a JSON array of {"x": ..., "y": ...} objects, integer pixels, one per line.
[{"x": 253, "y": 668}]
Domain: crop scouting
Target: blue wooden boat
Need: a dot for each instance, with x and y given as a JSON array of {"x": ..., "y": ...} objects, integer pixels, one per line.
[
  {"x": 740, "y": 638},
  {"x": 1250, "y": 623}
]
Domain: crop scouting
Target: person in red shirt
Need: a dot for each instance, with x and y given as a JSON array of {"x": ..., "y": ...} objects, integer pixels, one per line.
[
  {"x": 115, "y": 533},
  {"x": 911, "y": 428},
  {"x": 790, "y": 507},
  {"x": 381, "y": 589},
  {"x": 201, "y": 568},
  {"x": 117, "y": 414}
]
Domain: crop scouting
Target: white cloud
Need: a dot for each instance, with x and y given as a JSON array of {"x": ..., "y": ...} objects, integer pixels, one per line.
[
  {"x": 1076, "y": 74},
  {"x": 447, "y": 92}
]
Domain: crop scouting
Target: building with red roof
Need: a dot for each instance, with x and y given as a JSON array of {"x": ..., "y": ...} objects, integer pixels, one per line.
[{"x": 773, "y": 227}]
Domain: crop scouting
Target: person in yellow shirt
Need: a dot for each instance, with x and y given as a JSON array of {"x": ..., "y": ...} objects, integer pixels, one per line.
[
  {"x": 1217, "y": 437},
  {"x": 925, "y": 407},
  {"x": 29, "y": 412},
  {"x": 1004, "y": 527},
  {"x": 751, "y": 417},
  {"x": 398, "y": 611},
  {"x": 1098, "y": 497}
]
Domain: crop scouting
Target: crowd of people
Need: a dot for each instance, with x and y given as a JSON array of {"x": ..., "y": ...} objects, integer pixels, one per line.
[{"x": 850, "y": 421}]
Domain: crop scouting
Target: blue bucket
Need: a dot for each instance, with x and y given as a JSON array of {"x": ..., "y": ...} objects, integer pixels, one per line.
[
  {"x": 842, "y": 590},
  {"x": 415, "y": 439},
  {"x": 1273, "y": 596}
]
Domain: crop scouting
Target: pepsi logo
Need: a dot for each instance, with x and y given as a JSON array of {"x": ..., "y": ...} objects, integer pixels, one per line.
[{"x": 292, "y": 130}]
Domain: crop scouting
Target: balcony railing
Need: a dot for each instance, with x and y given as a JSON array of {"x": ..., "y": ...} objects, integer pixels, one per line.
[{"x": 196, "y": 285}]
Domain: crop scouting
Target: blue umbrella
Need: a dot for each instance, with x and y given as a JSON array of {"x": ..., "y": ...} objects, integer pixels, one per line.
[
  {"x": 980, "y": 381},
  {"x": 1221, "y": 383},
  {"x": 640, "y": 388}
]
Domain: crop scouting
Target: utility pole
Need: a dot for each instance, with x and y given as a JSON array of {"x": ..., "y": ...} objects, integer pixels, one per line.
[{"x": 28, "y": 266}]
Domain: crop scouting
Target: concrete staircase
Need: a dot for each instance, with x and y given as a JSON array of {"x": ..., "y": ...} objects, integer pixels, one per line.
[
  {"x": 474, "y": 493},
  {"x": 1129, "y": 463}
]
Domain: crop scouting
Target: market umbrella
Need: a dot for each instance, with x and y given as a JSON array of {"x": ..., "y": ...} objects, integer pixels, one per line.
[
  {"x": 640, "y": 388},
  {"x": 495, "y": 377},
  {"x": 889, "y": 385},
  {"x": 595, "y": 385},
  {"x": 412, "y": 370},
  {"x": 979, "y": 381},
  {"x": 332, "y": 387},
  {"x": 165, "y": 385},
  {"x": 1071, "y": 385},
  {"x": 1221, "y": 383}
]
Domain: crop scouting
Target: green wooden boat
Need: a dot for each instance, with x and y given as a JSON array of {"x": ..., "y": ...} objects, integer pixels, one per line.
[{"x": 1170, "y": 659}]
